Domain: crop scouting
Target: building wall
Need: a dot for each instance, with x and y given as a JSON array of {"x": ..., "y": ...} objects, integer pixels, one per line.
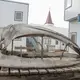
[
  {"x": 18, "y": 43},
  {"x": 52, "y": 45},
  {"x": 75, "y": 28},
  {"x": 8, "y": 10},
  {"x": 72, "y": 9},
  {"x": 63, "y": 31}
]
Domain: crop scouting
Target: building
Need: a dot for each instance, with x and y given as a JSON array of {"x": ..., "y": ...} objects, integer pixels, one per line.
[
  {"x": 53, "y": 44},
  {"x": 12, "y": 12},
  {"x": 72, "y": 15}
]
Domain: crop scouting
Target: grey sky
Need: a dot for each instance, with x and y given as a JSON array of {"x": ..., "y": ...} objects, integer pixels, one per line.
[{"x": 38, "y": 10}]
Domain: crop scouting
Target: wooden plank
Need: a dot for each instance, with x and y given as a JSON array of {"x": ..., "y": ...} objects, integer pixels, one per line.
[
  {"x": 24, "y": 72},
  {"x": 42, "y": 71},
  {"x": 51, "y": 70},
  {"x": 33, "y": 71},
  {"x": 73, "y": 69},
  {"x": 4, "y": 69},
  {"x": 3, "y": 73},
  {"x": 78, "y": 68},
  {"x": 14, "y": 71},
  {"x": 59, "y": 70},
  {"x": 67, "y": 69}
]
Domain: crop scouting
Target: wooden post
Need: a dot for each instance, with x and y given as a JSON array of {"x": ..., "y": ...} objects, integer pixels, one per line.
[
  {"x": 9, "y": 71},
  {"x": 21, "y": 51},
  {"x": 42, "y": 48},
  {"x": 19, "y": 72},
  {"x": 63, "y": 51}
]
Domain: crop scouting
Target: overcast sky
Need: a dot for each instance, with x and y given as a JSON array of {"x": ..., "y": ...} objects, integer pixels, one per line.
[{"x": 38, "y": 11}]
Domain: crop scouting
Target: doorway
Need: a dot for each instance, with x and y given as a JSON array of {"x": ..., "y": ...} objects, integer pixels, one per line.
[{"x": 73, "y": 36}]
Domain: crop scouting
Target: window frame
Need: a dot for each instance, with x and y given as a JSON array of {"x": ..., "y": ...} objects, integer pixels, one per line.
[
  {"x": 56, "y": 42},
  {"x": 47, "y": 40},
  {"x": 15, "y": 16},
  {"x": 73, "y": 33},
  {"x": 66, "y": 7}
]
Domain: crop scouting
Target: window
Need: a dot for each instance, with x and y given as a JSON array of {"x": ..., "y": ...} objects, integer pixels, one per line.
[
  {"x": 46, "y": 41},
  {"x": 63, "y": 44},
  {"x": 74, "y": 36},
  {"x": 68, "y": 3},
  {"x": 49, "y": 40},
  {"x": 56, "y": 42},
  {"x": 18, "y": 16}
]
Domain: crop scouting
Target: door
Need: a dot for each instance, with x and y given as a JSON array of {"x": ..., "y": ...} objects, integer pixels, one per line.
[{"x": 74, "y": 36}]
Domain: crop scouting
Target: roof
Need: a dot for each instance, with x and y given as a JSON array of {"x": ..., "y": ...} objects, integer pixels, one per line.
[
  {"x": 49, "y": 19},
  {"x": 15, "y": 2}
]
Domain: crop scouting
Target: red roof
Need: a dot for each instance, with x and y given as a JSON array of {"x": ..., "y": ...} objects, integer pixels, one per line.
[{"x": 49, "y": 19}]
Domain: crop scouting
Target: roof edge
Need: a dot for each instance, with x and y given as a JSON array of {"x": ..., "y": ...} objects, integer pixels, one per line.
[{"x": 15, "y": 2}]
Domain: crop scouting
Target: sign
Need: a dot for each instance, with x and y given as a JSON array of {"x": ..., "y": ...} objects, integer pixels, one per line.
[{"x": 78, "y": 18}]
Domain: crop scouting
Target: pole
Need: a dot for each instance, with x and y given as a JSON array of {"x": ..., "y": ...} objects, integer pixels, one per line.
[
  {"x": 12, "y": 47},
  {"x": 42, "y": 48},
  {"x": 21, "y": 52}
]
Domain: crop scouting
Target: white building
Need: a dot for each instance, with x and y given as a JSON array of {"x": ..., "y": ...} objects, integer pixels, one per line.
[
  {"x": 53, "y": 44},
  {"x": 12, "y": 12},
  {"x": 71, "y": 14}
]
